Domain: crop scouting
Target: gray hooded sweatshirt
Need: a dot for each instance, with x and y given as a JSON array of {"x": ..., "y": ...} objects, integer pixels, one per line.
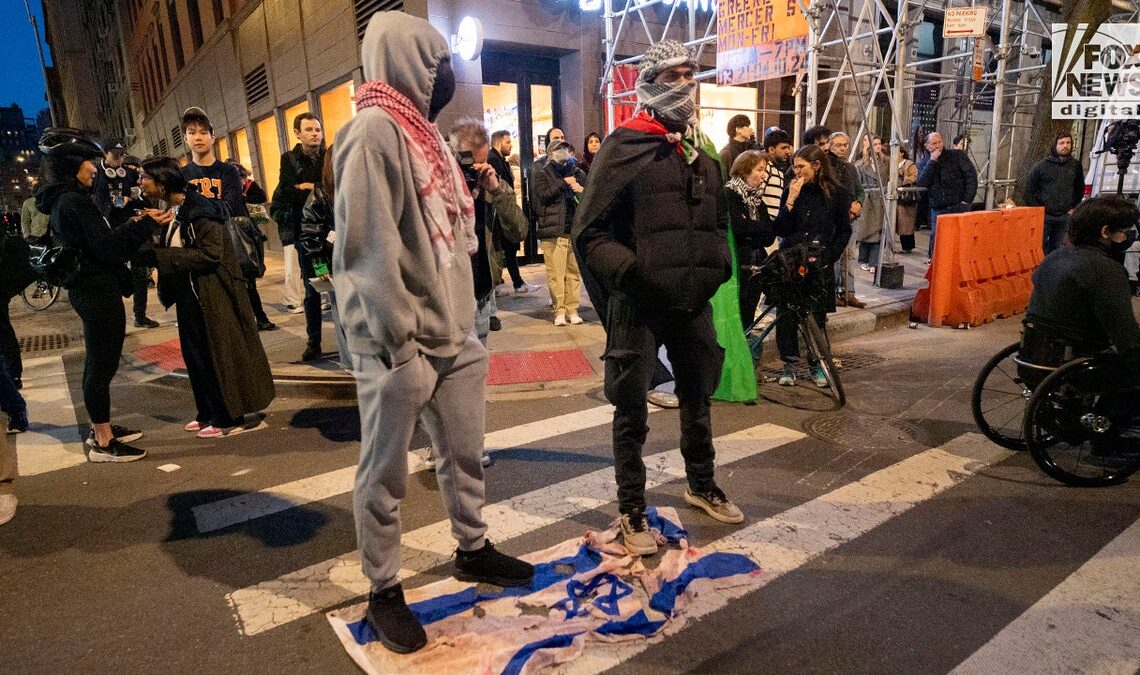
[{"x": 392, "y": 294}]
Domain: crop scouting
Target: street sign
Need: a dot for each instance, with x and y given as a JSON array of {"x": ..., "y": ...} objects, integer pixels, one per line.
[
  {"x": 979, "y": 61},
  {"x": 964, "y": 22}
]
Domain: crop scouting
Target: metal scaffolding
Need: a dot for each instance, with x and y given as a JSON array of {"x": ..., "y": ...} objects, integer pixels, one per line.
[{"x": 880, "y": 73}]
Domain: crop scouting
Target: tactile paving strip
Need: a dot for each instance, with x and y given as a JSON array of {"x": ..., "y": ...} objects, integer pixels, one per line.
[
  {"x": 166, "y": 355},
  {"x": 522, "y": 367}
]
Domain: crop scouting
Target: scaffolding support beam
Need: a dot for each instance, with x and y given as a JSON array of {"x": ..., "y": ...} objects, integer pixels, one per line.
[{"x": 999, "y": 104}]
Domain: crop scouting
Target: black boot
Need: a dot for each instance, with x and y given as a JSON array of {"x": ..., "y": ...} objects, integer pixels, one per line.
[
  {"x": 395, "y": 625},
  {"x": 491, "y": 567}
]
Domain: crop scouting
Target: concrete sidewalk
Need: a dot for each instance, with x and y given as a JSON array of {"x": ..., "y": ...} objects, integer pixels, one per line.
[{"x": 529, "y": 356}]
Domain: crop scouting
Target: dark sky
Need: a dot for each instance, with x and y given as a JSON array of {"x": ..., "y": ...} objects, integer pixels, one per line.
[{"x": 23, "y": 79}]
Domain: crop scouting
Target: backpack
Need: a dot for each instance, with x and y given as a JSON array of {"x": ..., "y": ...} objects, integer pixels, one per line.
[{"x": 58, "y": 265}]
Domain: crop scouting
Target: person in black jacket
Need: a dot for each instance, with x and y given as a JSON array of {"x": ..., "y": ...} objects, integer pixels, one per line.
[
  {"x": 499, "y": 157},
  {"x": 300, "y": 171},
  {"x": 740, "y": 138},
  {"x": 651, "y": 227},
  {"x": 558, "y": 185},
  {"x": 199, "y": 274},
  {"x": 750, "y": 222},
  {"x": 1057, "y": 183},
  {"x": 950, "y": 181},
  {"x": 103, "y": 280},
  {"x": 815, "y": 208}
]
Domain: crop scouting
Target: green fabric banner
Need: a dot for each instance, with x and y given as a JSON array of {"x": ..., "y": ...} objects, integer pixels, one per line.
[{"x": 738, "y": 376}]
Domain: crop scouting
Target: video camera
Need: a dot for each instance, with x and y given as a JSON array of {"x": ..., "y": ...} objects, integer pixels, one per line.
[{"x": 1122, "y": 137}]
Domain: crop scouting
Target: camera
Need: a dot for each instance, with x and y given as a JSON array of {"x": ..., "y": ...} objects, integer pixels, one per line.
[{"x": 467, "y": 165}]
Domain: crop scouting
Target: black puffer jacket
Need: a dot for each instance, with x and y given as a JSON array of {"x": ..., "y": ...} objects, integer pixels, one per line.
[
  {"x": 553, "y": 201},
  {"x": 76, "y": 221},
  {"x": 660, "y": 229},
  {"x": 816, "y": 215}
]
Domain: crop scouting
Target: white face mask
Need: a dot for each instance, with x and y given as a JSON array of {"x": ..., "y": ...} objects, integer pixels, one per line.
[{"x": 560, "y": 156}]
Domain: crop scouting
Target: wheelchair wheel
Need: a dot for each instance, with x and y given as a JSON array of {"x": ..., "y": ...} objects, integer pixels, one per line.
[
  {"x": 39, "y": 295},
  {"x": 821, "y": 356},
  {"x": 1073, "y": 427},
  {"x": 999, "y": 400}
]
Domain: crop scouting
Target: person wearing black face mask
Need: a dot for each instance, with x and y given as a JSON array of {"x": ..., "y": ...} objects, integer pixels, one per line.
[
  {"x": 558, "y": 185},
  {"x": 405, "y": 289},
  {"x": 1081, "y": 300}
]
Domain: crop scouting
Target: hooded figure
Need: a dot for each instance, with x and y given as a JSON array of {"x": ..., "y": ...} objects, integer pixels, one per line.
[
  {"x": 402, "y": 273},
  {"x": 1057, "y": 182},
  {"x": 652, "y": 229}
]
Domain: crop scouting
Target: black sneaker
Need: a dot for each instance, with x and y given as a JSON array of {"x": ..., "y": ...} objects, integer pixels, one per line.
[
  {"x": 312, "y": 352},
  {"x": 488, "y": 566},
  {"x": 145, "y": 322},
  {"x": 496, "y": 324},
  {"x": 116, "y": 451},
  {"x": 18, "y": 424},
  {"x": 266, "y": 325},
  {"x": 395, "y": 625},
  {"x": 125, "y": 435}
]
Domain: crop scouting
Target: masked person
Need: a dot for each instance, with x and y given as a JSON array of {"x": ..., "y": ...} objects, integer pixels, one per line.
[
  {"x": 558, "y": 185},
  {"x": 651, "y": 186},
  {"x": 403, "y": 278}
]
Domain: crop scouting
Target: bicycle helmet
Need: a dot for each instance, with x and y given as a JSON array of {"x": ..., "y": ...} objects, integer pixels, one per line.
[{"x": 67, "y": 142}]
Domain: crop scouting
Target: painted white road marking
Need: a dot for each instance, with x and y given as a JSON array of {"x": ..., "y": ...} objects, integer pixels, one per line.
[
  {"x": 790, "y": 539},
  {"x": 245, "y": 507},
  {"x": 54, "y": 441},
  {"x": 298, "y": 594},
  {"x": 1089, "y": 623}
]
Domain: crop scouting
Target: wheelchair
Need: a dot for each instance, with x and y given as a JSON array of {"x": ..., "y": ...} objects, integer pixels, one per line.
[{"x": 1076, "y": 415}]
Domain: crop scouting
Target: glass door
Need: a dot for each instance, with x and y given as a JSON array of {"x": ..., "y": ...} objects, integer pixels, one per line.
[{"x": 521, "y": 94}]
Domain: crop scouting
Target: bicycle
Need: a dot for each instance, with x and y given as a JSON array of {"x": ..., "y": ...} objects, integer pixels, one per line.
[
  {"x": 1079, "y": 424},
  {"x": 39, "y": 295},
  {"x": 792, "y": 281}
]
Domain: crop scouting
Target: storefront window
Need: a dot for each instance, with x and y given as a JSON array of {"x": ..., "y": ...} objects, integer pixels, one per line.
[
  {"x": 720, "y": 104},
  {"x": 501, "y": 108},
  {"x": 270, "y": 150},
  {"x": 223, "y": 151},
  {"x": 541, "y": 114},
  {"x": 241, "y": 147},
  {"x": 337, "y": 107}
]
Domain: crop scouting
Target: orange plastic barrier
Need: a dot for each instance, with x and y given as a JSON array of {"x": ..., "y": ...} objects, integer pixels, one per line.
[{"x": 983, "y": 267}]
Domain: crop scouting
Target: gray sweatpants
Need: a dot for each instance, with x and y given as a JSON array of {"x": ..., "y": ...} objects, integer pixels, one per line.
[{"x": 450, "y": 394}]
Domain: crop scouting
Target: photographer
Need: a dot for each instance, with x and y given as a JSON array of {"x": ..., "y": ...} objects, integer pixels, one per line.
[
  {"x": 495, "y": 210},
  {"x": 815, "y": 209}
]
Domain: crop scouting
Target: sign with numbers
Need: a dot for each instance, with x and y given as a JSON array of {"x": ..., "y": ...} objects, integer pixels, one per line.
[
  {"x": 964, "y": 22},
  {"x": 759, "y": 40}
]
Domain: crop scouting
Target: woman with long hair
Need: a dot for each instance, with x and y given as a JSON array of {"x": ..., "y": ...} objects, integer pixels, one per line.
[
  {"x": 814, "y": 209},
  {"x": 198, "y": 272},
  {"x": 97, "y": 289},
  {"x": 907, "y": 205},
  {"x": 751, "y": 226}
]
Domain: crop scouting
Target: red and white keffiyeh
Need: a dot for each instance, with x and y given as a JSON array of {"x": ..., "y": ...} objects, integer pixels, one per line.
[{"x": 443, "y": 195}]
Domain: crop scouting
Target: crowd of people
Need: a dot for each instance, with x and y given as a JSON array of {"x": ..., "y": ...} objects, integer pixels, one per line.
[{"x": 408, "y": 231}]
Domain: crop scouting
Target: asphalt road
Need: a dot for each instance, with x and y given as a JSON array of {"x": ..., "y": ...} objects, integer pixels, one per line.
[{"x": 222, "y": 555}]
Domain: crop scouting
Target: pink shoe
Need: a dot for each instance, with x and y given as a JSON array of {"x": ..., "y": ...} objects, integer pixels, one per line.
[
  {"x": 193, "y": 426},
  {"x": 210, "y": 432}
]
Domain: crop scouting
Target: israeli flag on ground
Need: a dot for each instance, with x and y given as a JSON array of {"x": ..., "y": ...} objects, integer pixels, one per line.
[{"x": 585, "y": 591}]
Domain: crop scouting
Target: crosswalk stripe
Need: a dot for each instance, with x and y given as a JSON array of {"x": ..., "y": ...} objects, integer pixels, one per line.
[
  {"x": 241, "y": 508},
  {"x": 298, "y": 594},
  {"x": 1089, "y": 623},
  {"x": 788, "y": 540},
  {"x": 49, "y": 407}
]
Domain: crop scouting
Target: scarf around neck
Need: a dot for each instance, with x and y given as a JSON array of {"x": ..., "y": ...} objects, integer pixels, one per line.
[
  {"x": 753, "y": 197},
  {"x": 443, "y": 196},
  {"x": 689, "y": 143}
]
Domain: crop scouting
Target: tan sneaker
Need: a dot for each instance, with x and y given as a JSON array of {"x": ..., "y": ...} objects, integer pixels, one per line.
[
  {"x": 715, "y": 504},
  {"x": 635, "y": 534}
]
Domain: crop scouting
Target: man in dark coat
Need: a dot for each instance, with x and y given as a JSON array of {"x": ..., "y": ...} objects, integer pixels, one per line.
[
  {"x": 740, "y": 138},
  {"x": 651, "y": 187},
  {"x": 950, "y": 181},
  {"x": 1057, "y": 183}
]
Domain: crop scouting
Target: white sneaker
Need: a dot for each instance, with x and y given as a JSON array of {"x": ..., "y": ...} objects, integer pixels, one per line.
[
  {"x": 294, "y": 309},
  {"x": 560, "y": 319},
  {"x": 7, "y": 508},
  {"x": 663, "y": 399},
  {"x": 575, "y": 319},
  {"x": 524, "y": 289}
]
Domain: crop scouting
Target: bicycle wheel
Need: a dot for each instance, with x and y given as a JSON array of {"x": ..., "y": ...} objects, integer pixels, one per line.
[
  {"x": 1073, "y": 427},
  {"x": 821, "y": 356},
  {"x": 999, "y": 400},
  {"x": 39, "y": 295}
]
